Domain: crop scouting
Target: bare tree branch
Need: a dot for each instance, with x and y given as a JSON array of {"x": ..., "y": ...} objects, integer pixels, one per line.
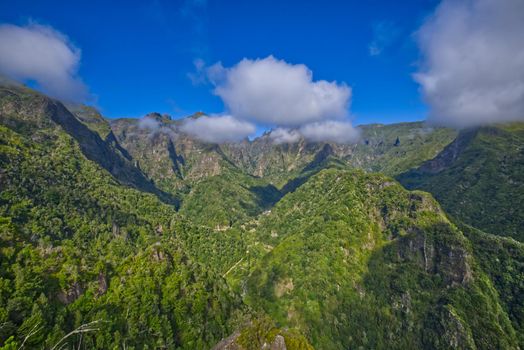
[
  {"x": 32, "y": 332},
  {"x": 87, "y": 327}
]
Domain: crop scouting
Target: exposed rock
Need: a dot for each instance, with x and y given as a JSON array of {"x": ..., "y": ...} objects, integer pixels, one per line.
[
  {"x": 451, "y": 261},
  {"x": 67, "y": 297},
  {"x": 284, "y": 286},
  {"x": 279, "y": 343},
  {"x": 102, "y": 284},
  {"x": 454, "y": 265},
  {"x": 449, "y": 330},
  {"x": 229, "y": 343},
  {"x": 158, "y": 254}
]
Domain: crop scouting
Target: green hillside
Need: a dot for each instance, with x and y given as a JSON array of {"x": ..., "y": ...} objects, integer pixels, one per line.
[
  {"x": 131, "y": 234},
  {"x": 77, "y": 247},
  {"x": 354, "y": 260},
  {"x": 395, "y": 148},
  {"x": 479, "y": 179}
]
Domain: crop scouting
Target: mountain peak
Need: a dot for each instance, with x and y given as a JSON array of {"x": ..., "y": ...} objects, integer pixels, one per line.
[{"x": 158, "y": 117}]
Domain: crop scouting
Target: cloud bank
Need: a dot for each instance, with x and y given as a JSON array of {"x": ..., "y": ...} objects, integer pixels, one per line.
[
  {"x": 327, "y": 131},
  {"x": 217, "y": 129},
  {"x": 281, "y": 135},
  {"x": 273, "y": 93},
  {"x": 331, "y": 130},
  {"x": 149, "y": 123},
  {"x": 473, "y": 62},
  {"x": 41, "y": 54}
]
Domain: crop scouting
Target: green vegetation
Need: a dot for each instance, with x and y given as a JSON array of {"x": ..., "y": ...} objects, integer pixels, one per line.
[
  {"x": 395, "y": 148},
  {"x": 479, "y": 179},
  {"x": 503, "y": 261},
  {"x": 121, "y": 235},
  {"x": 78, "y": 248},
  {"x": 229, "y": 198},
  {"x": 354, "y": 260}
]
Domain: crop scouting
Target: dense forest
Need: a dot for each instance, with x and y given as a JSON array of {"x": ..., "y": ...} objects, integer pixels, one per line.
[{"x": 115, "y": 234}]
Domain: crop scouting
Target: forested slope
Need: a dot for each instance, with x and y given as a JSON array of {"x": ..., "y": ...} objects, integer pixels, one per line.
[
  {"x": 116, "y": 235},
  {"x": 479, "y": 179},
  {"x": 354, "y": 260},
  {"x": 77, "y": 246}
]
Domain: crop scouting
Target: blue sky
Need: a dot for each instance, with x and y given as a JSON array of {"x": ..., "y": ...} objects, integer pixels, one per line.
[{"x": 136, "y": 55}]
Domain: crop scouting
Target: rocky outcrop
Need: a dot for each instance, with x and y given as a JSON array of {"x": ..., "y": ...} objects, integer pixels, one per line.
[
  {"x": 102, "y": 284},
  {"x": 34, "y": 112},
  {"x": 230, "y": 343},
  {"x": 436, "y": 256},
  {"x": 278, "y": 344},
  {"x": 448, "y": 330},
  {"x": 70, "y": 295}
]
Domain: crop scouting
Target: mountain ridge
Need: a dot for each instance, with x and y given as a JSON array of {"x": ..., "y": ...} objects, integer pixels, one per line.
[
  {"x": 478, "y": 178},
  {"x": 315, "y": 249}
]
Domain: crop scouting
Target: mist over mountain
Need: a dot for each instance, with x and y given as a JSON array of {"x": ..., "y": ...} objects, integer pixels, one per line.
[
  {"x": 262, "y": 175},
  {"x": 292, "y": 243}
]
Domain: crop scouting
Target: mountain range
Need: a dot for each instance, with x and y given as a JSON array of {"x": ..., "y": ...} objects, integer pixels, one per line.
[{"x": 129, "y": 233}]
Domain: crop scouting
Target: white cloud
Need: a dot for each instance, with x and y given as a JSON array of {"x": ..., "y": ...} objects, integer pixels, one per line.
[
  {"x": 154, "y": 126},
  {"x": 41, "y": 54},
  {"x": 330, "y": 131},
  {"x": 217, "y": 129},
  {"x": 272, "y": 92},
  {"x": 149, "y": 123},
  {"x": 216, "y": 73},
  {"x": 281, "y": 135},
  {"x": 473, "y": 68}
]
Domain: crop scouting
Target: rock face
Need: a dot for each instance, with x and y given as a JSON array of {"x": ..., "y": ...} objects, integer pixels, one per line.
[
  {"x": 102, "y": 283},
  {"x": 27, "y": 112},
  {"x": 278, "y": 344},
  {"x": 229, "y": 343},
  {"x": 436, "y": 257},
  {"x": 234, "y": 342},
  {"x": 70, "y": 295}
]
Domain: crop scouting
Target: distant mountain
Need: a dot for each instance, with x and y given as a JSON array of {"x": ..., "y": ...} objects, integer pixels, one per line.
[
  {"x": 245, "y": 177},
  {"x": 213, "y": 190},
  {"x": 395, "y": 148},
  {"x": 479, "y": 179},
  {"x": 130, "y": 233},
  {"x": 91, "y": 118},
  {"x": 391, "y": 149}
]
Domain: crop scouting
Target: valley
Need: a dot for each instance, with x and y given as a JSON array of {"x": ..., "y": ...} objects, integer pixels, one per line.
[{"x": 154, "y": 239}]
